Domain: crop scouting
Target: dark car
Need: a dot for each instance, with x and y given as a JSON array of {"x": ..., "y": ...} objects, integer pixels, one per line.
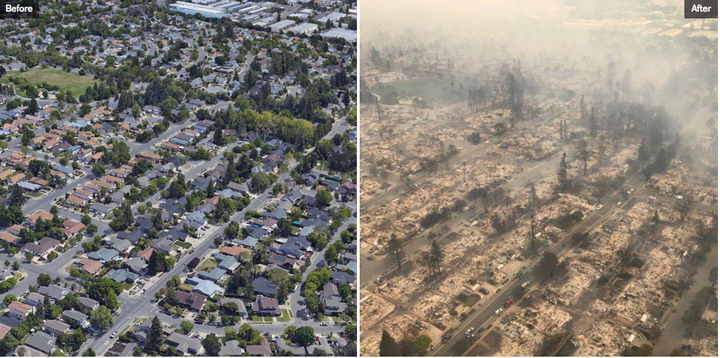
[{"x": 446, "y": 338}]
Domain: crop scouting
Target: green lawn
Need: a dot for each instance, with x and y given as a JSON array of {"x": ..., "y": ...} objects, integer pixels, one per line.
[
  {"x": 268, "y": 319},
  {"x": 257, "y": 319},
  {"x": 207, "y": 265},
  {"x": 285, "y": 316},
  {"x": 127, "y": 285},
  {"x": 186, "y": 245},
  {"x": 66, "y": 81}
]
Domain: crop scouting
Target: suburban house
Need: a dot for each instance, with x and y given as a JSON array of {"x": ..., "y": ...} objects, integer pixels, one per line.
[
  {"x": 184, "y": 344},
  {"x": 266, "y": 306},
  {"x": 194, "y": 300},
  {"x": 54, "y": 292},
  {"x": 77, "y": 317},
  {"x": 20, "y": 310},
  {"x": 55, "y": 327},
  {"x": 42, "y": 247},
  {"x": 260, "y": 350}
]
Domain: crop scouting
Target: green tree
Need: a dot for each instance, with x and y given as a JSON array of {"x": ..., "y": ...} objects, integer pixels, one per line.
[
  {"x": 282, "y": 292},
  {"x": 319, "y": 352},
  {"x": 78, "y": 338},
  {"x": 155, "y": 337},
  {"x": 44, "y": 279},
  {"x": 350, "y": 332},
  {"x": 91, "y": 229},
  {"x": 9, "y": 298},
  {"x": 331, "y": 254},
  {"x": 98, "y": 169},
  {"x": 388, "y": 346},
  {"x": 323, "y": 197},
  {"x": 304, "y": 336},
  {"x": 211, "y": 344},
  {"x": 101, "y": 319},
  {"x": 89, "y": 353},
  {"x": 186, "y": 326},
  {"x": 395, "y": 247},
  {"x": 564, "y": 184},
  {"x": 260, "y": 182},
  {"x": 421, "y": 345}
]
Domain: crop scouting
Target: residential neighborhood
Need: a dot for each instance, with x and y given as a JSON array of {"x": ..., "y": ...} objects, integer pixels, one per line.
[{"x": 177, "y": 182}]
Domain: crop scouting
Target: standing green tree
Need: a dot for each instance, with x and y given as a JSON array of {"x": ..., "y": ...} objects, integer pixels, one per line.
[
  {"x": 282, "y": 292},
  {"x": 44, "y": 279},
  {"x": 101, "y": 319},
  {"x": 9, "y": 299},
  {"x": 436, "y": 255},
  {"x": 32, "y": 107},
  {"x": 127, "y": 216},
  {"x": 98, "y": 169},
  {"x": 388, "y": 346},
  {"x": 211, "y": 344},
  {"x": 304, "y": 336},
  {"x": 186, "y": 327},
  {"x": 260, "y": 182},
  {"x": 155, "y": 336},
  {"x": 562, "y": 175},
  {"x": 331, "y": 254},
  {"x": 323, "y": 197},
  {"x": 584, "y": 155},
  {"x": 395, "y": 248}
]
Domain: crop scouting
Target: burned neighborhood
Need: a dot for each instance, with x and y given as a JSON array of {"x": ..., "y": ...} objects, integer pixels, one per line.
[{"x": 538, "y": 183}]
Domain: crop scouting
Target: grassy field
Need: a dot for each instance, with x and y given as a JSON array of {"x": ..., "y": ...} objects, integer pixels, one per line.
[
  {"x": 285, "y": 316},
  {"x": 430, "y": 90},
  {"x": 186, "y": 245},
  {"x": 65, "y": 80},
  {"x": 207, "y": 265}
]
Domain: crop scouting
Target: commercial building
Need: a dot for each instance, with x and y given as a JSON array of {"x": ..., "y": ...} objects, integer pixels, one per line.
[
  {"x": 281, "y": 25},
  {"x": 304, "y": 28},
  {"x": 190, "y": 8}
]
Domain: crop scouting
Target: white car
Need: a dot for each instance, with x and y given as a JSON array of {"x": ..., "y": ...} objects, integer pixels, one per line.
[{"x": 498, "y": 311}]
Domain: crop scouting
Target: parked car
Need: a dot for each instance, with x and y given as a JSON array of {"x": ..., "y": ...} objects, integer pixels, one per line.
[{"x": 446, "y": 338}]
